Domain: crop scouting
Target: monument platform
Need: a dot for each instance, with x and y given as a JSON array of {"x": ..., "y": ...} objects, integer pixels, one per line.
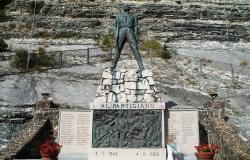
[{"x": 128, "y": 117}]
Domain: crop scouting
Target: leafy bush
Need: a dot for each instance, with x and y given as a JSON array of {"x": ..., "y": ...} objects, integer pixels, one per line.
[
  {"x": 39, "y": 59},
  {"x": 3, "y": 45},
  {"x": 21, "y": 58},
  {"x": 107, "y": 42},
  {"x": 12, "y": 26},
  {"x": 167, "y": 52},
  {"x": 151, "y": 44},
  {"x": 3, "y": 3},
  {"x": 2, "y": 13},
  {"x": 164, "y": 52},
  {"x": 95, "y": 23},
  {"x": 36, "y": 5},
  {"x": 43, "y": 34},
  {"x": 43, "y": 59},
  {"x": 245, "y": 63}
]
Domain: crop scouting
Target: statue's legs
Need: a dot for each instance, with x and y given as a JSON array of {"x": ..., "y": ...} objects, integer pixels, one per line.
[
  {"x": 134, "y": 46},
  {"x": 122, "y": 38},
  {"x": 124, "y": 35}
]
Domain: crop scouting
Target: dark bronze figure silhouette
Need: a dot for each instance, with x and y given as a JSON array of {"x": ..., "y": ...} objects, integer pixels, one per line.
[{"x": 126, "y": 29}]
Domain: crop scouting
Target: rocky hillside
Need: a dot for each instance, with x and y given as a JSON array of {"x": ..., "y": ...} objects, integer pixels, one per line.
[{"x": 166, "y": 20}]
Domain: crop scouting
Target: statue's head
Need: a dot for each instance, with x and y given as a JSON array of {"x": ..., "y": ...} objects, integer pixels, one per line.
[{"x": 126, "y": 7}]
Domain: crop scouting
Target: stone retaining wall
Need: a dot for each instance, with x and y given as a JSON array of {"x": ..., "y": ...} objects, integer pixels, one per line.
[
  {"x": 221, "y": 133},
  {"x": 25, "y": 144},
  {"x": 218, "y": 130}
]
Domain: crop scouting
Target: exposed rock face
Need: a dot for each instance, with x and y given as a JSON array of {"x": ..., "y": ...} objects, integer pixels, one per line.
[
  {"x": 20, "y": 90},
  {"x": 163, "y": 20}
]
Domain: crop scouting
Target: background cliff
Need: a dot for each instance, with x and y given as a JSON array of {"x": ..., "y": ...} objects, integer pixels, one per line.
[
  {"x": 166, "y": 20},
  {"x": 215, "y": 31}
]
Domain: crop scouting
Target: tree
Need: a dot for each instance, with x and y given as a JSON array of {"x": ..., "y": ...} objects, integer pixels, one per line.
[
  {"x": 3, "y": 3},
  {"x": 36, "y": 5},
  {"x": 3, "y": 45}
]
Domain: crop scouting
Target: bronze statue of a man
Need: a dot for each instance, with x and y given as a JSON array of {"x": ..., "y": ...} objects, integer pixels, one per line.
[{"x": 126, "y": 29}]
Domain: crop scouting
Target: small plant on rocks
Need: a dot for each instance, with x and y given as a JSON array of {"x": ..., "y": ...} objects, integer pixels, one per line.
[{"x": 167, "y": 52}]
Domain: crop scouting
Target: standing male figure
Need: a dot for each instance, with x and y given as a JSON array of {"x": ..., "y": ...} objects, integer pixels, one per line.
[{"x": 126, "y": 29}]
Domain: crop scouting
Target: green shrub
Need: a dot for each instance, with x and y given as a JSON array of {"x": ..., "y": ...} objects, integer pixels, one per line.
[
  {"x": 164, "y": 52},
  {"x": 43, "y": 59},
  {"x": 95, "y": 23},
  {"x": 21, "y": 58},
  {"x": 2, "y": 13},
  {"x": 12, "y": 26},
  {"x": 3, "y": 45},
  {"x": 43, "y": 34},
  {"x": 39, "y": 59},
  {"x": 36, "y": 5},
  {"x": 3, "y": 3},
  {"x": 245, "y": 62},
  {"x": 107, "y": 42},
  {"x": 151, "y": 44},
  {"x": 167, "y": 52}
]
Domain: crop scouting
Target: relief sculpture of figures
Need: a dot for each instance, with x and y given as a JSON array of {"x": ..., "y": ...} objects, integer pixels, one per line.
[{"x": 126, "y": 29}]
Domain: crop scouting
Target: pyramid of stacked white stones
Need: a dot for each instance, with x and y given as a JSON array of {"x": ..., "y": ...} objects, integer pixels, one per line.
[{"x": 127, "y": 86}]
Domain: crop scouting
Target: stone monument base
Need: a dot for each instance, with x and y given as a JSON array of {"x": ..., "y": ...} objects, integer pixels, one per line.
[{"x": 128, "y": 117}]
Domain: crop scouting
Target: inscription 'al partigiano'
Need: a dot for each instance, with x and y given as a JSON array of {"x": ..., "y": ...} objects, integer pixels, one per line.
[{"x": 128, "y": 106}]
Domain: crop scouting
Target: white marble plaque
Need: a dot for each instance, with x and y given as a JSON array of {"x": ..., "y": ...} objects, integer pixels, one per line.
[
  {"x": 127, "y": 154},
  {"x": 75, "y": 130},
  {"x": 119, "y": 106},
  {"x": 183, "y": 129}
]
